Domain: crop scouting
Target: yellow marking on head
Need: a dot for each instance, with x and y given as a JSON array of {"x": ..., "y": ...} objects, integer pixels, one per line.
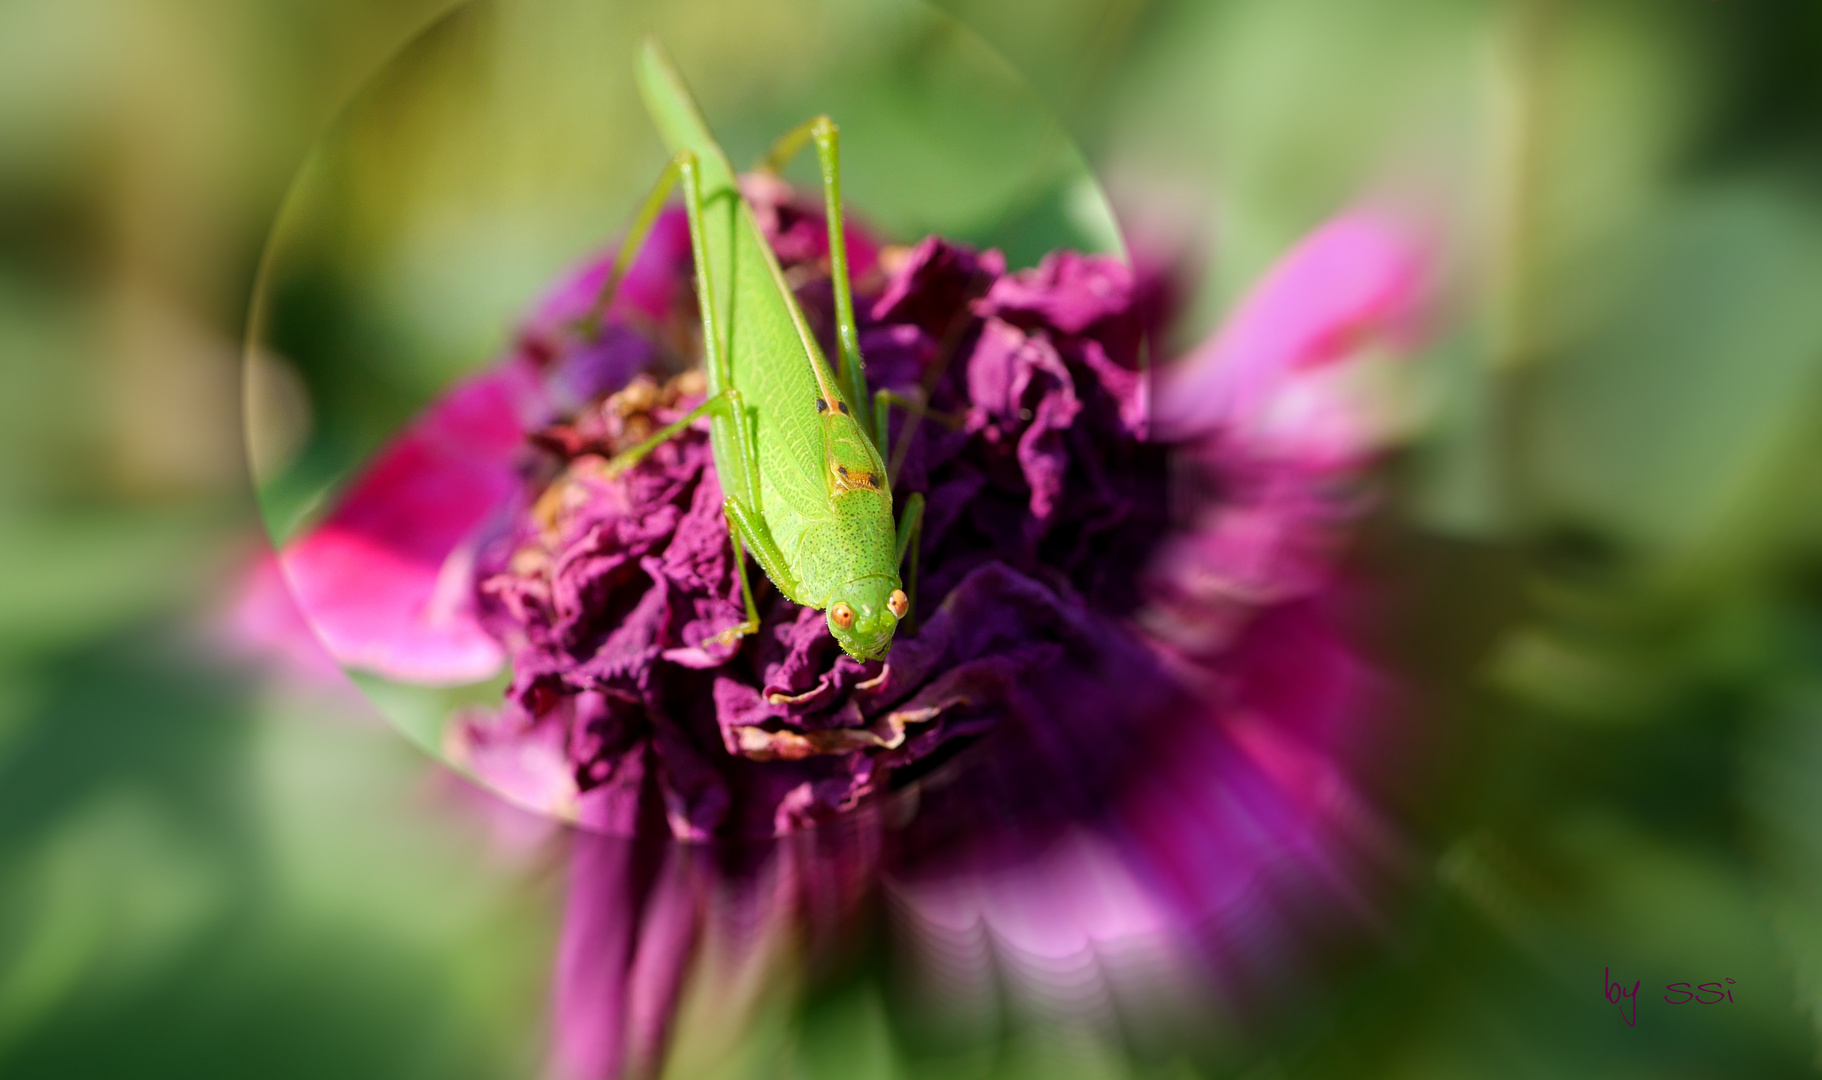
[{"x": 847, "y": 479}]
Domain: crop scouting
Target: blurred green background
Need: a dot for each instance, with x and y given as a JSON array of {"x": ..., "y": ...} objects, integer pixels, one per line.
[{"x": 1607, "y": 540}]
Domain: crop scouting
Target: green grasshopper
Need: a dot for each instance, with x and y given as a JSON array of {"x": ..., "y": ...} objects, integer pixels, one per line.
[{"x": 806, "y": 486}]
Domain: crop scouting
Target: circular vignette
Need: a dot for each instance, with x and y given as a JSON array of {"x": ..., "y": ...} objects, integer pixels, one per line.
[{"x": 502, "y": 149}]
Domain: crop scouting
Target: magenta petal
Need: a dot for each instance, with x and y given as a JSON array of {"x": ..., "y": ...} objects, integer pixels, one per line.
[
  {"x": 517, "y": 757},
  {"x": 628, "y": 934},
  {"x": 386, "y": 579},
  {"x": 1358, "y": 280},
  {"x": 262, "y": 622},
  {"x": 667, "y": 940}
]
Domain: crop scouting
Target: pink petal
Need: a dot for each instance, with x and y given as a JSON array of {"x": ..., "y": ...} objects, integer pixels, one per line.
[
  {"x": 385, "y": 579},
  {"x": 517, "y": 758},
  {"x": 262, "y": 622},
  {"x": 1356, "y": 282}
]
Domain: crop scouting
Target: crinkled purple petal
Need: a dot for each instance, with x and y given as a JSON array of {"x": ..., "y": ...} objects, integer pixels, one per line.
[
  {"x": 936, "y": 284},
  {"x": 1069, "y": 291}
]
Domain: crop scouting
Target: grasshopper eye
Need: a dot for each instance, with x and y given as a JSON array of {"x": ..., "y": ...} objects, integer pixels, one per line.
[
  {"x": 898, "y": 603},
  {"x": 842, "y": 615}
]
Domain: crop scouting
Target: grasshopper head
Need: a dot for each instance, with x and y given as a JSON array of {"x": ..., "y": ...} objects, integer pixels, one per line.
[{"x": 863, "y": 614}]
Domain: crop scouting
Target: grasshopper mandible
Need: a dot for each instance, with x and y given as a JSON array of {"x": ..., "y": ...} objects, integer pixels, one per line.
[{"x": 804, "y": 481}]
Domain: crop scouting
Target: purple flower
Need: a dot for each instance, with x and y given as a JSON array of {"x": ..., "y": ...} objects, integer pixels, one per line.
[
  {"x": 1122, "y": 724},
  {"x": 608, "y": 593}
]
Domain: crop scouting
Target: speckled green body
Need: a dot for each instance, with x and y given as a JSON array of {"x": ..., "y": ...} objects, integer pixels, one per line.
[{"x": 822, "y": 488}]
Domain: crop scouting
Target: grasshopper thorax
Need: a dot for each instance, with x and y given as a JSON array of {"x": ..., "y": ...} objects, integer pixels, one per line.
[
  {"x": 863, "y": 614},
  {"x": 853, "y": 464}
]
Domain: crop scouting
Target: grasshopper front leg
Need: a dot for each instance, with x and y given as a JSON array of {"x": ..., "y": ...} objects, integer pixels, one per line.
[
  {"x": 746, "y": 527},
  {"x": 722, "y": 404},
  {"x": 746, "y": 524}
]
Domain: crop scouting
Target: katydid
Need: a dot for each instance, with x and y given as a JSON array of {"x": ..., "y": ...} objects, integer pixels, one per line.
[{"x": 798, "y": 453}]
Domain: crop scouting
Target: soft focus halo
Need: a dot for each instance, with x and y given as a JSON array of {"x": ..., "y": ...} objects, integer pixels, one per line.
[{"x": 506, "y": 143}]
